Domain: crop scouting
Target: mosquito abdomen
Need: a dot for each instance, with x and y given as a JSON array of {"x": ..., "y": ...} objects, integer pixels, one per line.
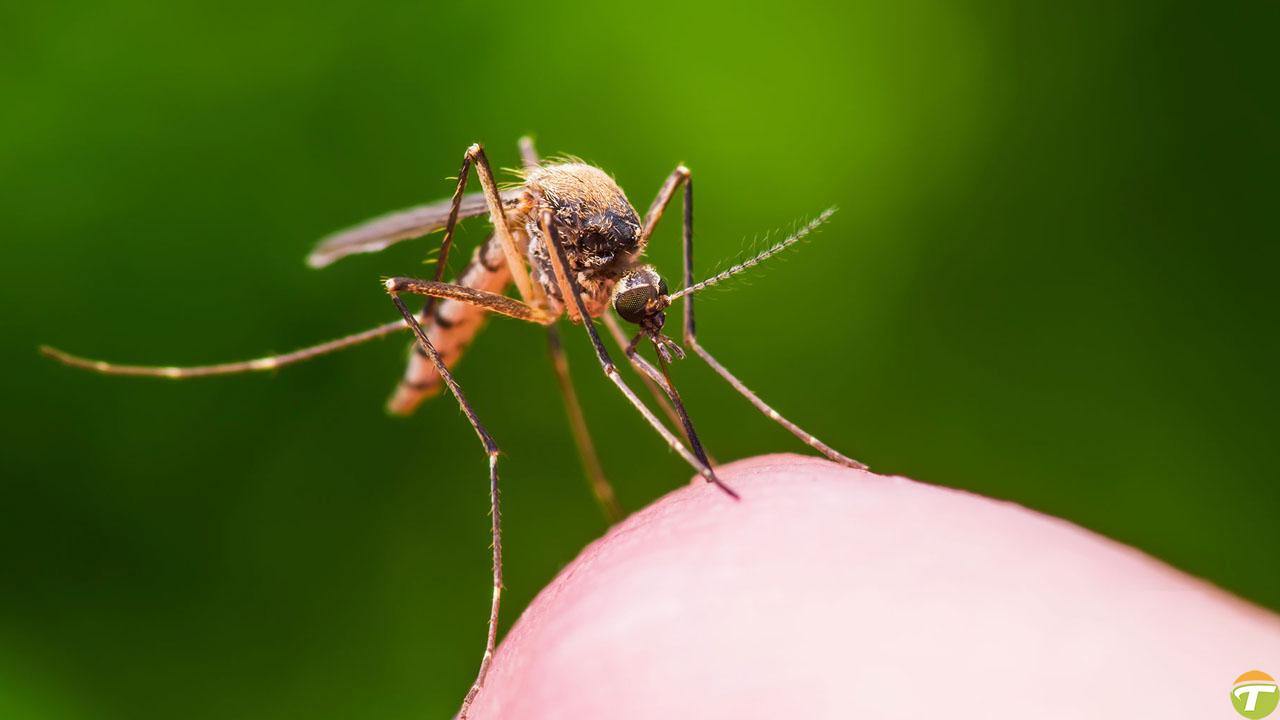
[{"x": 451, "y": 327}]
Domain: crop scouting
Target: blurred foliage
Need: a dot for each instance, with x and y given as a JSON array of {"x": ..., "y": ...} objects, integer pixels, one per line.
[{"x": 1051, "y": 280}]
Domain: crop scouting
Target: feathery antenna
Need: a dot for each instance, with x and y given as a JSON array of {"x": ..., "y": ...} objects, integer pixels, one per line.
[{"x": 748, "y": 264}]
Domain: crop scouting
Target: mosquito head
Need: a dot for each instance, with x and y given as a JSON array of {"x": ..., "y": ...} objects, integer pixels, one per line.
[{"x": 640, "y": 296}]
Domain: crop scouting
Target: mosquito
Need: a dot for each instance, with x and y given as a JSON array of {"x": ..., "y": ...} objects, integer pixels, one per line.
[{"x": 571, "y": 243}]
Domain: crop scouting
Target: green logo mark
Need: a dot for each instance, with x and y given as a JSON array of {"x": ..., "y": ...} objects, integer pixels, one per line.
[{"x": 1255, "y": 695}]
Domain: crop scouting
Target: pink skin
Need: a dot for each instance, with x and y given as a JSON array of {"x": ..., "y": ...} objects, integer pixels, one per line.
[{"x": 833, "y": 593}]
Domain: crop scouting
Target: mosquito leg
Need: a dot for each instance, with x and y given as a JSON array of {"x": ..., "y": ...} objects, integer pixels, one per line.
[
  {"x": 682, "y": 174},
  {"x": 569, "y": 289},
  {"x": 650, "y": 377},
  {"x": 659, "y": 396},
  {"x": 665, "y": 193},
  {"x": 491, "y": 450},
  {"x": 600, "y": 486},
  {"x": 270, "y": 362},
  {"x": 415, "y": 384},
  {"x": 496, "y": 303},
  {"x": 493, "y": 302},
  {"x": 662, "y": 378},
  {"x": 446, "y": 243},
  {"x": 475, "y": 157},
  {"x": 498, "y": 217}
]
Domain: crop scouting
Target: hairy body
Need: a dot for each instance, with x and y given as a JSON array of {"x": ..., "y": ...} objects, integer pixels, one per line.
[{"x": 601, "y": 232}]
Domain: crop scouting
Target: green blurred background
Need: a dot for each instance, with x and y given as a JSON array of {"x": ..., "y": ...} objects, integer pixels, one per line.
[{"x": 1052, "y": 281}]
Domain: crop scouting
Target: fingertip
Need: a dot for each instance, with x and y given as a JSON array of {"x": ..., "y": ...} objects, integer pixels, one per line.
[{"x": 831, "y": 592}]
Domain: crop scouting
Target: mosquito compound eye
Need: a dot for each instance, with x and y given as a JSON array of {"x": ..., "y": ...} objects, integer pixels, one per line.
[
  {"x": 631, "y": 303},
  {"x": 634, "y": 290}
]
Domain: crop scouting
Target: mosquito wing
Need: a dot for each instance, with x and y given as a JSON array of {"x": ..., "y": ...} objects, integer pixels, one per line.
[{"x": 381, "y": 232}]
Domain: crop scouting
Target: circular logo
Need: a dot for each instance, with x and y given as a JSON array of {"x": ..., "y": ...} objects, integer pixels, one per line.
[{"x": 1255, "y": 695}]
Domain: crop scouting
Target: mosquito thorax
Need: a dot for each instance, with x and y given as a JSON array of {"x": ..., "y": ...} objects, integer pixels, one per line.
[
  {"x": 597, "y": 225},
  {"x": 640, "y": 297}
]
